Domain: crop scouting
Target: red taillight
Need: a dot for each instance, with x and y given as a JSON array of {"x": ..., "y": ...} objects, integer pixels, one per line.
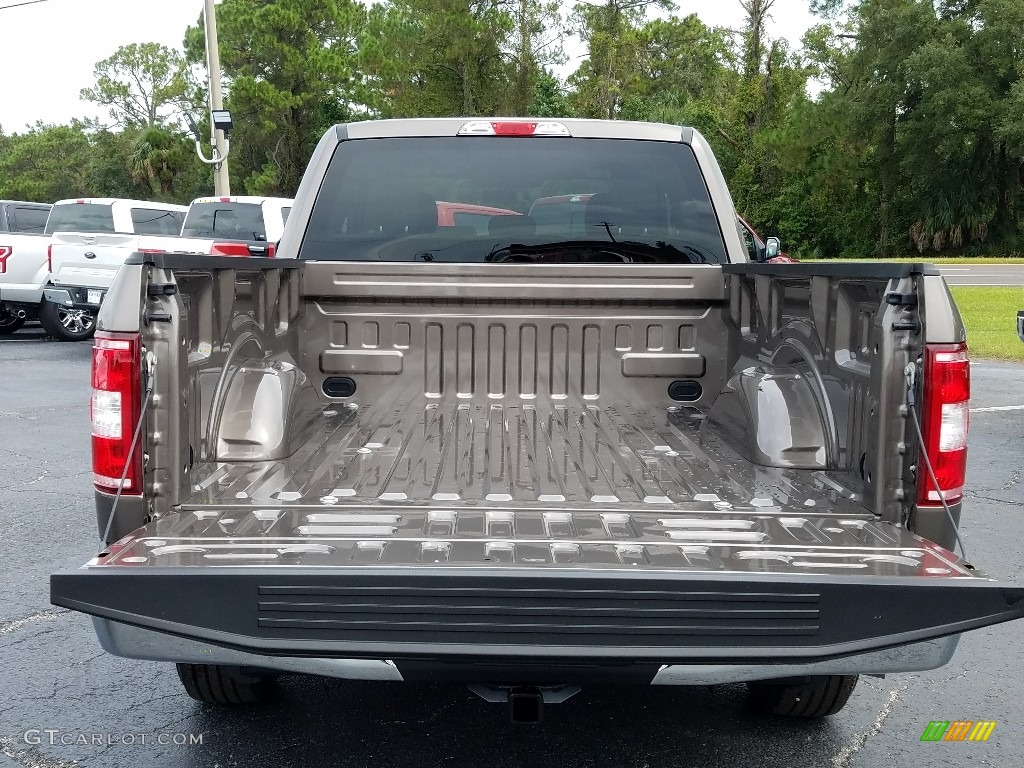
[
  {"x": 114, "y": 411},
  {"x": 945, "y": 416},
  {"x": 49, "y": 258},
  {"x": 242, "y": 249},
  {"x": 149, "y": 251},
  {"x": 230, "y": 249}
]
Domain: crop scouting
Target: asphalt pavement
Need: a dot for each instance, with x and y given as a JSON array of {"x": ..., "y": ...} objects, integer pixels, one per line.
[
  {"x": 64, "y": 702},
  {"x": 984, "y": 274}
]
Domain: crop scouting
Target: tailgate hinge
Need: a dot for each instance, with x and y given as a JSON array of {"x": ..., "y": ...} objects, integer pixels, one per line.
[
  {"x": 910, "y": 325},
  {"x": 161, "y": 289},
  {"x": 897, "y": 299}
]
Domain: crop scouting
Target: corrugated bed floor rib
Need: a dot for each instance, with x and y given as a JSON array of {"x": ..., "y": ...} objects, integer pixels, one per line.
[{"x": 543, "y": 454}]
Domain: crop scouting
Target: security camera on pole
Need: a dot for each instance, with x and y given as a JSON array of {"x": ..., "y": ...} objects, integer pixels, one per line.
[{"x": 220, "y": 118}]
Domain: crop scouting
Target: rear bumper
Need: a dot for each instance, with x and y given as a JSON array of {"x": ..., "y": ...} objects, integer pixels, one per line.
[
  {"x": 534, "y": 616},
  {"x": 72, "y": 296},
  {"x": 135, "y": 643},
  {"x": 21, "y": 294}
]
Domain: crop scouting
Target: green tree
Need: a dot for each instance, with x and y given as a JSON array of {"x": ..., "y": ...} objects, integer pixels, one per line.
[
  {"x": 616, "y": 48},
  {"x": 166, "y": 163},
  {"x": 433, "y": 58},
  {"x": 83, "y": 159},
  {"x": 922, "y": 114},
  {"x": 536, "y": 45},
  {"x": 689, "y": 74},
  {"x": 292, "y": 71},
  {"x": 964, "y": 177},
  {"x": 549, "y": 97},
  {"x": 757, "y": 14},
  {"x": 111, "y": 172},
  {"x": 142, "y": 84},
  {"x": 47, "y": 163},
  {"x": 913, "y": 139}
]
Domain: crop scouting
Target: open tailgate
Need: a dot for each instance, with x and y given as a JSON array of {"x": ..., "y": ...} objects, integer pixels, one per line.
[{"x": 409, "y": 583}]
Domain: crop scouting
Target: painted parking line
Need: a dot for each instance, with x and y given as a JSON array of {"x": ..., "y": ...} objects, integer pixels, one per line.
[{"x": 998, "y": 408}]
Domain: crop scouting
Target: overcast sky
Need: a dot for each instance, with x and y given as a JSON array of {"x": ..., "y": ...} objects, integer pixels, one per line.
[{"x": 49, "y": 49}]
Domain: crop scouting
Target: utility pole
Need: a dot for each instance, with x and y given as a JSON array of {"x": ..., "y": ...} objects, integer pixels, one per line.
[{"x": 218, "y": 139}]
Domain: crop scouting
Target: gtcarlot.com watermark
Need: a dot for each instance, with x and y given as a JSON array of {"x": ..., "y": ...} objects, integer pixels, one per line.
[{"x": 55, "y": 736}]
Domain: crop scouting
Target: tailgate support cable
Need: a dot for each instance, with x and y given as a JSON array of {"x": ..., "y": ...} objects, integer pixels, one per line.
[
  {"x": 910, "y": 372},
  {"x": 150, "y": 382}
]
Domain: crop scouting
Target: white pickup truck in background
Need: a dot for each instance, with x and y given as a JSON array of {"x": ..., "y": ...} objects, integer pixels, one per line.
[
  {"x": 83, "y": 266},
  {"x": 247, "y": 219},
  {"x": 88, "y": 239},
  {"x": 23, "y": 269}
]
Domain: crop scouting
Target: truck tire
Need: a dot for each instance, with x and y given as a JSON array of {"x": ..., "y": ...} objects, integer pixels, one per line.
[
  {"x": 9, "y": 323},
  {"x": 67, "y": 324},
  {"x": 223, "y": 685},
  {"x": 813, "y": 697}
]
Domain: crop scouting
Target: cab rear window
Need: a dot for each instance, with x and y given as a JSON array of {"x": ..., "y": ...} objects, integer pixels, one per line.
[
  {"x": 625, "y": 201},
  {"x": 233, "y": 221},
  {"x": 80, "y": 217},
  {"x": 28, "y": 219},
  {"x": 154, "y": 221}
]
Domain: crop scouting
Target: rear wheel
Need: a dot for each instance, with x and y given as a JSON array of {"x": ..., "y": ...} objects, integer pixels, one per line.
[
  {"x": 809, "y": 697},
  {"x": 9, "y": 322},
  {"x": 225, "y": 686},
  {"x": 67, "y": 323}
]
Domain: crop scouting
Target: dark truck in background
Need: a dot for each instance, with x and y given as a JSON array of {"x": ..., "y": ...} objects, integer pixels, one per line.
[{"x": 530, "y": 456}]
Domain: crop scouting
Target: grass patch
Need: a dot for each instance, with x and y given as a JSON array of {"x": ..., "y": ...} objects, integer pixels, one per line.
[{"x": 990, "y": 315}]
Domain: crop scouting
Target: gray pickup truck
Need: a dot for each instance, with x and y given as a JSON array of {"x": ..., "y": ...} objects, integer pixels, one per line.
[{"x": 596, "y": 447}]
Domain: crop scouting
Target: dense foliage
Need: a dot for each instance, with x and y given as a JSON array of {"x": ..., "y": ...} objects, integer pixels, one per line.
[{"x": 896, "y": 127}]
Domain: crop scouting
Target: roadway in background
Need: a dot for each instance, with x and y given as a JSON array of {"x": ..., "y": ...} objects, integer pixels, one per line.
[{"x": 984, "y": 274}]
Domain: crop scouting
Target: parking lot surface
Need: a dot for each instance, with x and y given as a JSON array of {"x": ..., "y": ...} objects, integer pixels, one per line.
[
  {"x": 63, "y": 701},
  {"x": 984, "y": 274}
]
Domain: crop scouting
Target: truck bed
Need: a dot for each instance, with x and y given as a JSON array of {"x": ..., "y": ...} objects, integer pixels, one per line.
[
  {"x": 546, "y": 455},
  {"x": 493, "y": 419}
]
